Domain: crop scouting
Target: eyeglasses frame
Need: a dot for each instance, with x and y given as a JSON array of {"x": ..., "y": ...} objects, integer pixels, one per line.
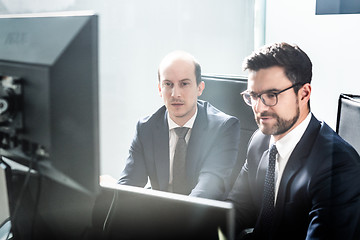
[{"x": 259, "y": 96}]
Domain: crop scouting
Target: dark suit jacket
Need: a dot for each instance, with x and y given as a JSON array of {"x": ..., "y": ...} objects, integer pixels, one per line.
[
  {"x": 319, "y": 192},
  {"x": 211, "y": 153}
]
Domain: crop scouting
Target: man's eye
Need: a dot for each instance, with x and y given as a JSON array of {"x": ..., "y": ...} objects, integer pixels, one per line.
[
  {"x": 167, "y": 84},
  {"x": 270, "y": 95},
  {"x": 254, "y": 96}
]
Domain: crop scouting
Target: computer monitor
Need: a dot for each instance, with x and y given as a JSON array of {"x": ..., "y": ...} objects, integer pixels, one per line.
[
  {"x": 49, "y": 115},
  {"x": 126, "y": 212}
]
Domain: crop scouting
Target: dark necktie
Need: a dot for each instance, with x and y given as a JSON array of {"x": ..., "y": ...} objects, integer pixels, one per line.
[
  {"x": 179, "y": 166},
  {"x": 268, "y": 208}
]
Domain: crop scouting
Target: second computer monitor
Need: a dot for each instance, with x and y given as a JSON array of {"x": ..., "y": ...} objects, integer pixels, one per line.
[{"x": 137, "y": 213}]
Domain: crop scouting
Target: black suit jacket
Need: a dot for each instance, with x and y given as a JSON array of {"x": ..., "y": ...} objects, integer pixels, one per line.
[
  {"x": 319, "y": 192},
  {"x": 211, "y": 153}
]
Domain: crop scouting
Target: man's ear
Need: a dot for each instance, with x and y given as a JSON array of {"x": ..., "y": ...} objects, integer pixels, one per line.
[
  {"x": 304, "y": 95},
  {"x": 201, "y": 88},
  {"x": 159, "y": 88},
  {"x": 305, "y": 92}
]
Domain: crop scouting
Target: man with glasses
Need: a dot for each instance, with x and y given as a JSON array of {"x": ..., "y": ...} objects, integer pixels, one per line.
[{"x": 300, "y": 179}]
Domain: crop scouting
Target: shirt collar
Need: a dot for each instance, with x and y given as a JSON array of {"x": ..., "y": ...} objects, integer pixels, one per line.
[
  {"x": 286, "y": 144},
  {"x": 188, "y": 124}
]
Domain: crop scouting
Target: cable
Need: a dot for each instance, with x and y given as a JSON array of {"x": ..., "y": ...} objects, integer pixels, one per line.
[
  {"x": 37, "y": 200},
  {"x": 112, "y": 206},
  {"x": 20, "y": 196}
]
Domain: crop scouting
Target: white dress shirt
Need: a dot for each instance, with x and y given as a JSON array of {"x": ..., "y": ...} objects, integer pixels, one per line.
[
  {"x": 173, "y": 138},
  {"x": 285, "y": 147}
]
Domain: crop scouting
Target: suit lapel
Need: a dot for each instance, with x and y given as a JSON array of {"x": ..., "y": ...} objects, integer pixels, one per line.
[
  {"x": 261, "y": 171},
  {"x": 196, "y": 139},
  {"x": 297, "y": 159},
  {"x": 161, "y": 156}
]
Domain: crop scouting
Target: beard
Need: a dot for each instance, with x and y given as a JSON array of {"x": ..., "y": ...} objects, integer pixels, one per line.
[{"x": 281, "y": 126}]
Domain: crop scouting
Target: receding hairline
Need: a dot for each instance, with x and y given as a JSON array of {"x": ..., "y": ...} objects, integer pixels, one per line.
[
  {"x": 175, "y": 56},
  {"x": 180, "y": 55}
]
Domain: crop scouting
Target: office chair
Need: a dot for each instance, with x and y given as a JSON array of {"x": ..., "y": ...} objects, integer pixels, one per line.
[
  {"x": 223, "y": 92},
  {"x": 348, "y": 118}
]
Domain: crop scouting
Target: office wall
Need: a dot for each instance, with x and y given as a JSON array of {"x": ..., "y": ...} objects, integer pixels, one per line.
[
  {"x": 134, "y": 36},
  {"x": 331, "y": 41}
]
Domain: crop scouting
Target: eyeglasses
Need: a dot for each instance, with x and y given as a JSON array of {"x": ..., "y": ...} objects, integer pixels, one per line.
[{"x": 269, "y": 98}]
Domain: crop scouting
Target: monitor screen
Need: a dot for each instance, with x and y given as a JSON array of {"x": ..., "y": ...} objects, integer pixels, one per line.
[
  {"x": 49, "y": 115},
  {"x": 126, "y": 212}
]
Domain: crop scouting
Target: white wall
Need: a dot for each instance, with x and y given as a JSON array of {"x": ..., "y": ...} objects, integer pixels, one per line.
[
  {"x": 136, "y": 35},
  {"x": 332, "y": 43}
]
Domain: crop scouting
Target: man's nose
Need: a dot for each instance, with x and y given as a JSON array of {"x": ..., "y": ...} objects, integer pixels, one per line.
[
  {"x": 176, "y": 91},
  {"x": 259, "y": 106}
]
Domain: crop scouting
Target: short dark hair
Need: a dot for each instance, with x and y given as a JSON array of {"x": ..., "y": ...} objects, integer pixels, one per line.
[{"x": 296, "y": 64}]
